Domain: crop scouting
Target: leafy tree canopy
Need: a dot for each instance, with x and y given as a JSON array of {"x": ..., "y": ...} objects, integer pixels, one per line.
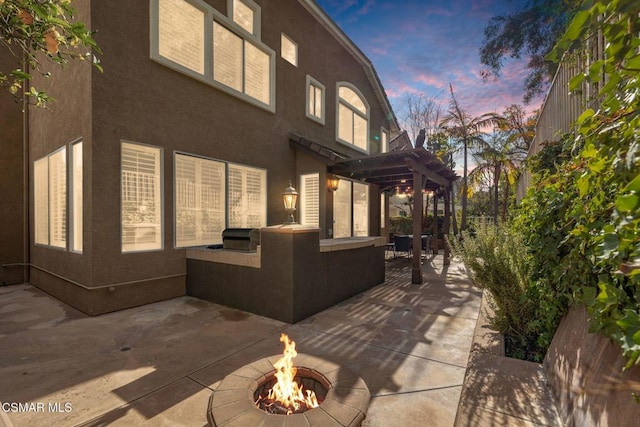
[
  {"x": 531, "y": 32},
  {"x": 37, "y": 30}
]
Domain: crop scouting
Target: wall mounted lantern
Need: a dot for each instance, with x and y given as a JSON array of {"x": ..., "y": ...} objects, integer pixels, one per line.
[
  {"x": 290, "y": 196},
  {"x": 333, "y": 182}
]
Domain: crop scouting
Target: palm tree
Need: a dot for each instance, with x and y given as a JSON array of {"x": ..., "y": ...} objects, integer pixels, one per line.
[
  {"x": 497, "y": 161},
  {"x": 466, "y": 131}
]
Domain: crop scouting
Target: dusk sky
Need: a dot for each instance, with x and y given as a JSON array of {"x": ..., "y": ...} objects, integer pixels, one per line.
[{"x": 420, "y": 46}]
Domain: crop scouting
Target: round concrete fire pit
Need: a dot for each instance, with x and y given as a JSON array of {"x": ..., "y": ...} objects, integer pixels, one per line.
[{"x": 345, "y": 403}]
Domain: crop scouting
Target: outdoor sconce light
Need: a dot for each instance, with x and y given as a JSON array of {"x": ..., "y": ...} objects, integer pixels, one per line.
[
  {"x": 290, "y": 196},
  {"x": 333, "y": 182}
]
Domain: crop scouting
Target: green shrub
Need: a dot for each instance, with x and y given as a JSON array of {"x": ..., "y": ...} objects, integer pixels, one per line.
[{"x": 500, "y": 263}]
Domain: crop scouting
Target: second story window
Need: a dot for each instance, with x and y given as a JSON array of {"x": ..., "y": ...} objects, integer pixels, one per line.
[
  {"x": 352, "y": 117},
  {"x": 384, "y": 140},
  {"x": 193, "y": 38},
  {"x": 315, "y": 100},
  {"x": 247, "y": 15},
  {"x": 288, "y": 49}
]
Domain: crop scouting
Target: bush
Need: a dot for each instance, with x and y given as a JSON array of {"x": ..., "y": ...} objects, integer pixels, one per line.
[{"x": 499, "y": 263}]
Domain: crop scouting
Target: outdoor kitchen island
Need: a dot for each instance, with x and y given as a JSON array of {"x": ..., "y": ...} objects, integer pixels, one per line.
[{"x": 290, "y": 276}]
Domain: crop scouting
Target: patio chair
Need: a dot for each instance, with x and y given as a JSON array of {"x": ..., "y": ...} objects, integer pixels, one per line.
[{"x": 403, "y": 244}]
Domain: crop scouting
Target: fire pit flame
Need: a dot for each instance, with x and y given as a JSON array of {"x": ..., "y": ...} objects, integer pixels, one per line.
[{"x": 287, "y": 396}]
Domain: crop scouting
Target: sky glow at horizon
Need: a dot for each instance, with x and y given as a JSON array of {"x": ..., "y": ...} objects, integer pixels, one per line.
[{"x": 413, "y": 56}]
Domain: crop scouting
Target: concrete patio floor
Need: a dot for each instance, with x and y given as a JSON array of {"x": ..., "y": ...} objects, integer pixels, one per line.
[{"x": 157, "y": 364}]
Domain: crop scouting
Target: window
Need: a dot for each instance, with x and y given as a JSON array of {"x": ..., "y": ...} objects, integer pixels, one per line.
[
  {"x": 181, "y": 34},
  {"x": 225, "y": 52},
  {"x": 353, "y": 117},
  {"x": 58, "y": 199},
  {"x": 360, "y": 209},
  {"x": 351, "y": 210},
  {"x": 246, "y": 14},
  {"x": 50, "y": 199},
  {"x": 288, "y": 49},
  {"x": 199, "y": 200},
  {"x": 383, "y": 210},
  {"x": 141, "y": 197},
  {"x": 342, "y": 210},
  {"x": 41, "y": 200},
  {"x": 384, "y": 140},
  {"x": 241, "y": 64},
  {"x": 310, "y": 200},
  {"x": 75, "y": 198},
  {"x": 247, "y": 189},
  {"x": 315, "y": 100}
]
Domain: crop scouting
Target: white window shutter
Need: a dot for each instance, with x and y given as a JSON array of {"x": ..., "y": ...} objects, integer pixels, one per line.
[{"x": 310, "y": 200}]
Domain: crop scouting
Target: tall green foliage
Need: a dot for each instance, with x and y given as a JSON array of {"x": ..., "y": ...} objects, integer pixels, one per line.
[
  {"x": 498, "y": 260},
  {"x": 33, "y": 30},
  {"x": 582, "y": 219}
]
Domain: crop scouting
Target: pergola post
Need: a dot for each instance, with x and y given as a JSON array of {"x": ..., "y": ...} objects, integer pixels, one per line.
[
  {"x": 416, "y": 268},
  {"x": 446, "y": 225},
  {"x": 434, "y": 238}
]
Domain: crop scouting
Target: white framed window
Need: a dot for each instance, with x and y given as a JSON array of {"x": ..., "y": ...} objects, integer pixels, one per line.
[
  {"x": 181, "y": 34},
  {"x": 41, "y": 200},
  {"x": 141, "y": 197},
  {"x": 352, "y": 121},
  {"x": 384, "y": 140},
  {"x": 199, "y": 197},
  {"x": 342, "y": 210},
  {"x": 193, "y": 38},
  {"x": 315, "y": 100},
  {"x": 351, "y": 209},
  {"x": 246, "y": 14},
  {"x": 242, "y": 65},
  {"x": 288, "y": 49},
  {"x": 247, "y": 196},
  {"x": 360, "y": 209},
  {"x": 310, "y": 200},
  {"x": 50, "y": 199},
  {"x": 383, "y": 210},
  {"x": 75, "y": 198}
]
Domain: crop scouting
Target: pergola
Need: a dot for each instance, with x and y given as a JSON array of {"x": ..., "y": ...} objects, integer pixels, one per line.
[{"x": 416, "y": 169}]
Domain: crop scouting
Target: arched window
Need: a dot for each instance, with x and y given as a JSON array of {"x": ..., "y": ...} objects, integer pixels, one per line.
[{"x": 353, "y": 117}]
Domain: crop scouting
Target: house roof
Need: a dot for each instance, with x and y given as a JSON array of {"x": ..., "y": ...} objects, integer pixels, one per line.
[
  {"x": 388, "y": 170},
  {"x": 370, "y": 71}
]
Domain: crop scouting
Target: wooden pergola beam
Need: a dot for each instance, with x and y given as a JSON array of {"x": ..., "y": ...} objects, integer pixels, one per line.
[{"x": 430, "y": 175}]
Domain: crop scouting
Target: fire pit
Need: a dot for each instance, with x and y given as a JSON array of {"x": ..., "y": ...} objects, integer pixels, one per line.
[{"x": 243, "y": 399}]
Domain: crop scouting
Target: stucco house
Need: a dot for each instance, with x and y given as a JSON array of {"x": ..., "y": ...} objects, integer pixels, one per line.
[{"x": 206, "y": 109}]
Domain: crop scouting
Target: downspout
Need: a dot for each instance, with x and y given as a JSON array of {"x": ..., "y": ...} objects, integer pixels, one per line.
[{"x": 26, "y": 253}]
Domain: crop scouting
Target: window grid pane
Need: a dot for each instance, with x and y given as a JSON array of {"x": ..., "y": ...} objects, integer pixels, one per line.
[
  {"x": 359, "y": 131},
  {"x": 141, "y": 198},
  {"x": 256, "y": 73},
  {"x": 342, "y": 210},
  {"x": 360, "y": 209},
  {"x": 227, "y": 57},
  {"x": 345, "y": 123},
  {"x": 243, "y": 15},
  {"x": 41, "y": 200},
  {"x": 76, "y": 197},
  {"x": 288, "y": 50},
  {"x": 247, "y": 197},
  {"x": 58, "y": 199},
  {"x": 199, "y": 201},
  {"x": 181, "y": 33}
]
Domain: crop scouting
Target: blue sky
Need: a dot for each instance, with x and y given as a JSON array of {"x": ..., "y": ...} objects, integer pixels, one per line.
[{"x": 420, "y": 46}]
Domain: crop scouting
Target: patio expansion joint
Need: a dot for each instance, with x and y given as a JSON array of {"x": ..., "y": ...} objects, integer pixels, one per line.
[
  {"x": 424, "y": 390},
  {"x": 384, "y": 348}
]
